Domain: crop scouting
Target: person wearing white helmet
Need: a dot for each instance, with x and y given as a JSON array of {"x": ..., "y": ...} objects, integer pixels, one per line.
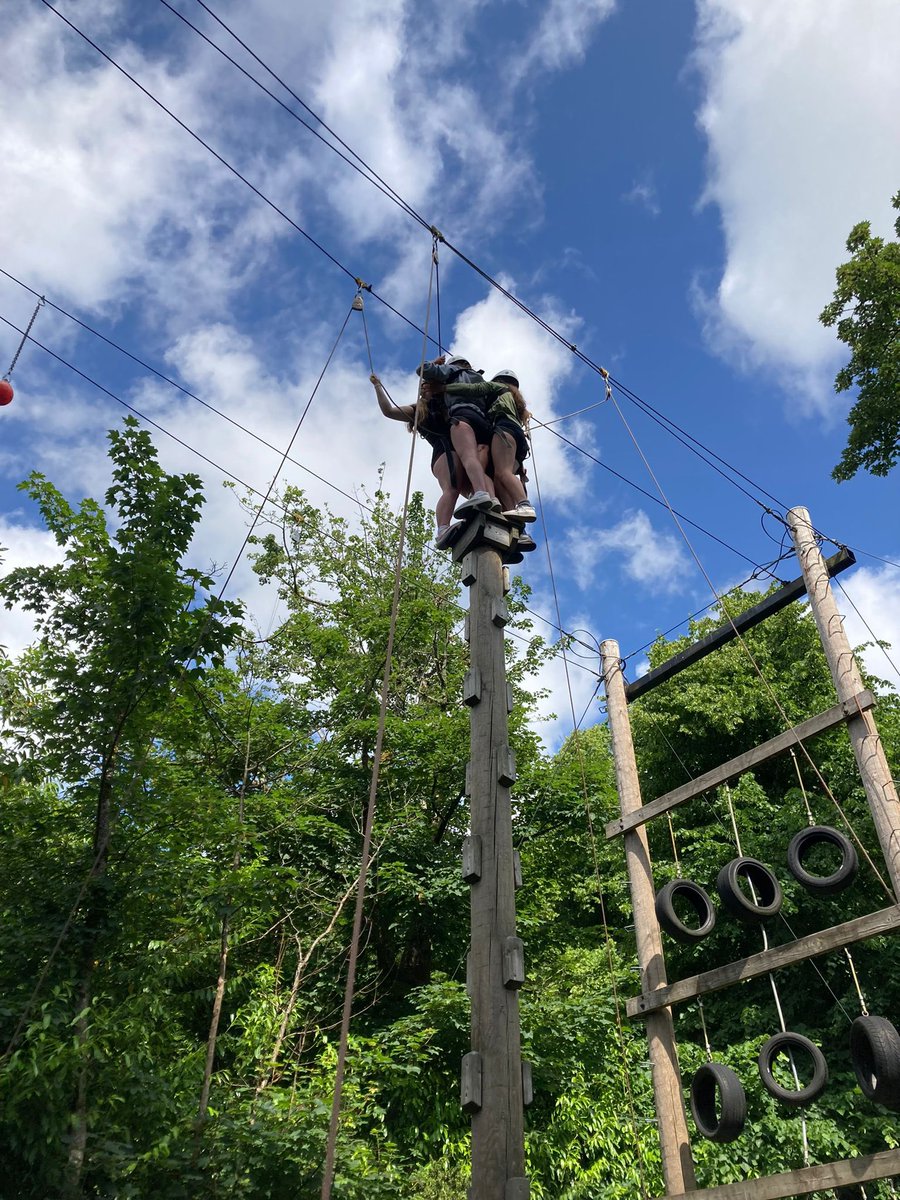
[
  {"x": 509, "y": 446},
  {"x": 470, "y": 433},
  {"x": 508, "y": 415}
]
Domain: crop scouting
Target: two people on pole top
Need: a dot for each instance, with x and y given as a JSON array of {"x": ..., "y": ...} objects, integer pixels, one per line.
[{"x": 477, "y": 432}]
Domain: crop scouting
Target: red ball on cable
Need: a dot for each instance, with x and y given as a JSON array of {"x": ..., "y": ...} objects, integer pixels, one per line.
[{"x": 6, "y": 392}]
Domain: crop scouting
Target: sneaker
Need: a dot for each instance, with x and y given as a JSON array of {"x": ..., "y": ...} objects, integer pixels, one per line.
[
  {"x": 478, "y": 502},
  {"x": 524, "y": 511},
  {"x": 447, "y": 535},
  {"x": 526, "y": 542}
]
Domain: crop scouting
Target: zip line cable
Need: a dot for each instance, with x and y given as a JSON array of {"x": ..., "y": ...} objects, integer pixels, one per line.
[
  {"x": 225, "y": 163},
  {"x": 174, "y": 383},
  {"x": 649, "y": 495},
  {"x": 584, "y": 358},
  {"x": 331, "y": 1146},
  {"x": 372, "y": 178},
  {"x": 764, "y": 570},
  {"x": 165, "y": 378}
]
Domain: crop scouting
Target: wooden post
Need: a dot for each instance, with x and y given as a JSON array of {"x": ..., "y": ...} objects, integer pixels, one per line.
[
  {"x": 677, "y": 1162},
  {"x": 870, "y": 759},
  {"x": 492, "y": 1073}
]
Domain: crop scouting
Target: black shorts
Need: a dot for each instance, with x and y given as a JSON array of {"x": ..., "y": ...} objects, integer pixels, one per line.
[
  {"x": 439, "y": 447},
  {"x": 516, "y": 432},
  {"x": 474, "y": 418}
]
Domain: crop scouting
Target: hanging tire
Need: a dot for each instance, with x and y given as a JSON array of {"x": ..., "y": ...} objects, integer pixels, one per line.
[
  {"x": 819, "y": 835},
  {"x": 765, "y": 885},
  {"x": 699, "y": 901},
  {"x": 875, "y": 1050},
  {"x": 721, "y": 1122},
  {"x": 792, "y": 1041}
]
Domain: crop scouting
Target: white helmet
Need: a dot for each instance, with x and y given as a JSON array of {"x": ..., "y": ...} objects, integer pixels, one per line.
[
  {"x": 458, "y": 360},
  {"x": 507, "y": 375}
]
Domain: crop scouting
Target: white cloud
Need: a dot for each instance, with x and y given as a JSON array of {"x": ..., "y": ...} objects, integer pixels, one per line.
[
  {"x": 654, "y": 560},
  {"x": 562, "y": 37},
  {"x": 875, "y": 591},
  {"x": 643, "y": 193},
  {"x": 800, "y": 113},
  {"x": 22, "y": 546},
  {"x": 493, "y": 334}
]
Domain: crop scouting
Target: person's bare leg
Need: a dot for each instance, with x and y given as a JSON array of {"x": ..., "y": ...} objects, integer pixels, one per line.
[
  {"x": 508, "y": 484},
  {"x": 463, "y": 438},
  {"x": 449, "y": 494}
]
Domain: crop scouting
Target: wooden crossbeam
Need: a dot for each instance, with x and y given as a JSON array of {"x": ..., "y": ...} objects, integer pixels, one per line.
[
  {"x": 814, "y": 944},
  {"x": 825, "y": 1177},
  {"x": 737, "y": 625},
  {"x": 744, "y": 762}
]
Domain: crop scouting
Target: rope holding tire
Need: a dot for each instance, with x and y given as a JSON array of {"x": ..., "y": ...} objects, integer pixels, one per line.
[
  {"x": 875, "y": 1051},
  {"x": 766, "y": 889},
  {"x": 699, "y": 901},
  {"x": 787, "y": 1042},
  {"x": 723, "y": 1121},
  {"x": 822, "y": 835}
]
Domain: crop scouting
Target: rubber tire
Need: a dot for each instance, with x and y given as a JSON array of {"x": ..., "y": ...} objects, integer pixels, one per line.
[
  {"x": 792, "y": 1041},
  {"x": 766, "y": 885},
  {"x": 669, "y": 919},
  {"x": 875, "y": 1050},
  {"x": 729, "y": 1123},
  {"x": 822, "y": 885}
]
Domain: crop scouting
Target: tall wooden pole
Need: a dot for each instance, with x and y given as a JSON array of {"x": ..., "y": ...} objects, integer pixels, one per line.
[
  {"x": 677, "y": 1162},
  {"x": 492, "y": 1073},
  {"x": 881, "y": 791}
]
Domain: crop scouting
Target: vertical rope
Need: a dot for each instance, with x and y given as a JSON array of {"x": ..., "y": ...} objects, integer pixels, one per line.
[
  {"x": 773, "y": 984},
  {"x": 626, "y": 1077},
  {"x": 328, "y": 1173}
]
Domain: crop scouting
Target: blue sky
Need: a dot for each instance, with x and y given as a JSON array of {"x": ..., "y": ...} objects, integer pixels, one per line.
[{"x": 668, "y": 185}]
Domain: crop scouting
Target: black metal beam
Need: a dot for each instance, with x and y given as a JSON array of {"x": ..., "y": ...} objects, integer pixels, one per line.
[{"x": 726, "y": 633}]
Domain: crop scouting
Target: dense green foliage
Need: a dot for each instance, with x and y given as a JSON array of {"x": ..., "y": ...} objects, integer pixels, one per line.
[
  {"x": 183, "y": 804},
  {"x": 866, "y": 310}
]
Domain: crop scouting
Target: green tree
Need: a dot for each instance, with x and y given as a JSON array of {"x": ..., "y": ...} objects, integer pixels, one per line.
[
  {"x": 121, "y": 623},
  {"x": 866, "y": 310}
]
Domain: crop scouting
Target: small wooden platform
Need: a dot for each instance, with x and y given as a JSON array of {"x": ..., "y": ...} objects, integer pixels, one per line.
[{"x": 488, "y": 529}]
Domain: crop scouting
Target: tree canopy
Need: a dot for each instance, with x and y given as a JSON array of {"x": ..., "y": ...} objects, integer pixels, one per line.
[
  {"x": 183, "y": 802},
  {"x": 866, "y": 311}
]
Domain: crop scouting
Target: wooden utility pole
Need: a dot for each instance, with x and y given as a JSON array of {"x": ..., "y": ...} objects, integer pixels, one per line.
[
  {"x": 677, "y": 1162},
  {"x": 870, "y": 758},
  {"x": 492, "y": 1086}
]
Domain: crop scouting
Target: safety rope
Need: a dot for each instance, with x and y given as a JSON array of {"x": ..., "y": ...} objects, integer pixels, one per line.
[
  {"x": 774, "y": 985},
  {"x": 811, "y": 819},
  {"x": 331, "y": 1146},
  {"x": 15, "y": 358},
  {"x": 626, "y": 1074}
]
